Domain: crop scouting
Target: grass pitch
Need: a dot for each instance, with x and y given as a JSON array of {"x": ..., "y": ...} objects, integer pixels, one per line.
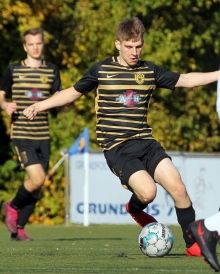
[{"x": 92, "y": 249}]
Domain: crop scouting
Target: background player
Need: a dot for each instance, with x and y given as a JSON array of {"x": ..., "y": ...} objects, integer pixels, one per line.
[{"x": 28, "y": 81}]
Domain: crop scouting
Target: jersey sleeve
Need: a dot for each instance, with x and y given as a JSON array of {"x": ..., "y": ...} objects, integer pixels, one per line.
[
  {"x": 89, "y": 81},
  {"x": 7, "y": 81},
  {"x": 57, "y": 81},
  {"x": 165, "y": 78}
]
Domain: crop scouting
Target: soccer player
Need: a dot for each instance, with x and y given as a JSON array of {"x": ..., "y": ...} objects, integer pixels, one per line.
[
  {"x": 206, "y": 233},
  {"x": 26, "y": 82},
  {"x": 124, "y": 85}
]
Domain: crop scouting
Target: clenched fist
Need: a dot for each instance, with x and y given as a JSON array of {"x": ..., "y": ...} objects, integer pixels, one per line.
[{"x": 30, "y": 112}]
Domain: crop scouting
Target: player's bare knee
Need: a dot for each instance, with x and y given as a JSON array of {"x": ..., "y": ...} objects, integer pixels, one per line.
[
  {"x": 179, "y": 192},
  {"x": 147, "y": 196},
  {"x": 37, "y": 182}
]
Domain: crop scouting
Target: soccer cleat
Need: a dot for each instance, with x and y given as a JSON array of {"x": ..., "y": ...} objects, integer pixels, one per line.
[
  {"x": 207, "y": 241},
  {"x": 142, "y": 218},
  {"x": 22, "y": 236},
  {"x": 11, "y": 217},
  {"x": 194, "y": 250}
]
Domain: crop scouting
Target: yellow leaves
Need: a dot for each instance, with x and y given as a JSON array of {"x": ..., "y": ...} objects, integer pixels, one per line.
[
  {"x": 47, "y": 183},
  {"x": 7, "y": 121}
]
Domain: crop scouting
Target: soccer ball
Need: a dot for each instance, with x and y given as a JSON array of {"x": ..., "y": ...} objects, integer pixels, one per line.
[{"x": 155, "y": 240}]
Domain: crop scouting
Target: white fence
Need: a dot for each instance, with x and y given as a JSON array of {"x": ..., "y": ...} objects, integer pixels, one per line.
[{"x": 107, "y": 198}]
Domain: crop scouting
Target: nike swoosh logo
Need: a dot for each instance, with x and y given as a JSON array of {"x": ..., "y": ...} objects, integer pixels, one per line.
[
  {"x": 200, "y": 231},
  {"x": 110, "y": 76}
]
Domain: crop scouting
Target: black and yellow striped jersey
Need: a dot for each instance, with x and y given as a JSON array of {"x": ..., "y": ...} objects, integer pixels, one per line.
[
  {"x": 26, "y": 85},
  {"x": 122, "y": 98}
]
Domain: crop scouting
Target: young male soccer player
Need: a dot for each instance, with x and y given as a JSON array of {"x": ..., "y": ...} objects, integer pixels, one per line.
[
  {"x": 26, "y": 82},
  {"x": 124, "y": 85}
]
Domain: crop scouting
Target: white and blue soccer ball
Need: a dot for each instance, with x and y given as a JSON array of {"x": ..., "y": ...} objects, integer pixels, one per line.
[{"x": 155, "y": 240}]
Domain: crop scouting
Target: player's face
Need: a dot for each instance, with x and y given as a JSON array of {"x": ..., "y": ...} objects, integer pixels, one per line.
[
  {"x": 129, "y": 51},
  {"x": 34, "y": 45}
]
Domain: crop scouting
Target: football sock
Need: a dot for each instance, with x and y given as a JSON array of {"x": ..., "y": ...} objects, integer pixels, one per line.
[
  {"x": 212, "y": 223},
  {"x": 25, "y": 212},
  {"x": 185, "y": 216},
  {"x": 135, "y": 205},
  {"x": 135, "y": 208},
  {"x": 20, "y": 197}
]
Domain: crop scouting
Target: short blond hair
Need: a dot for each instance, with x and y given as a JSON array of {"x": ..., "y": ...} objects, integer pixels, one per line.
[
  {"x": 130, "y": 29},
  {"x": 33, "y": 31}
]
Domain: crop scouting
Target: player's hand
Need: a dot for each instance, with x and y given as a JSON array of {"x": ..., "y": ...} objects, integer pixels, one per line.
[
  {"x": 9, "y": 107},
  {"x": 30, "y": 112}
]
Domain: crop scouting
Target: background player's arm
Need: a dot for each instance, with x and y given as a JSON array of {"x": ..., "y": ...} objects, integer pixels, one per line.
[
  {"x": 59, "y": 99},
  {"x": 9, "y": 107}
]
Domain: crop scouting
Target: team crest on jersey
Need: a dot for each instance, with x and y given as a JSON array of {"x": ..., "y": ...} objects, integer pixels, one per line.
[
  {"x": 139, "y": 78},
  {"x": 34, "y": 94},
  {"x": 24, "y": 157},
  {"x": 44, "y": 79},
  {"x": 129, "y": 98}
]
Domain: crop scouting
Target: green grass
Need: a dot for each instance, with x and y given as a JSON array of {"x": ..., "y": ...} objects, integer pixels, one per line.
[{"x": 92, "y": 249}]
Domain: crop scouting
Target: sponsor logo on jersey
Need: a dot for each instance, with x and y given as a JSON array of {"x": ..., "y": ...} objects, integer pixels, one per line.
[
  {"x": 34, "y": 94},
  {"x": 129, "y": 98},
  {"x": 139, "y": 78}
]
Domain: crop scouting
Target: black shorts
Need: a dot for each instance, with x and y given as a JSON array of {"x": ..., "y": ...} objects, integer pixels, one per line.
[
  {"x": 31, "y": 152},
  {"x": 134, "y": 155}
]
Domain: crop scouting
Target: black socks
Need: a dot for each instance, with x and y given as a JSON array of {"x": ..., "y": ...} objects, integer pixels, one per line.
[
  {"x": 185, "y": 216},
  {"x": 25, "y": 203},
  {"x": 135, "y": 205},
  {"x": 25, "y": 212},
  {"x": 19, "y": 200}
]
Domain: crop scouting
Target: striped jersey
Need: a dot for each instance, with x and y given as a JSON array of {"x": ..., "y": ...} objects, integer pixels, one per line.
[
  {"x": 122, "y": 98},
  {"x": 25, "y": 86}
]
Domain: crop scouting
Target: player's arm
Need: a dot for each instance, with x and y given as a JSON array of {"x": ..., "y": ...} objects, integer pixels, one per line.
[
  {"x": 194, "y": 79},
  {"x": 9, "y": 107},
  {"x": 59, "y": 99}
]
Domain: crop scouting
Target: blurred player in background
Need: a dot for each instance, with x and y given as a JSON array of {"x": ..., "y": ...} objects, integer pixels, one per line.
[
  {"x": 26, "y": 82},
  {"x": 124, "y": 85}
]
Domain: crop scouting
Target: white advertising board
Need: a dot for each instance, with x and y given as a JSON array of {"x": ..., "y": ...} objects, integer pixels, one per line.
[{"x": 107, "y": 198}]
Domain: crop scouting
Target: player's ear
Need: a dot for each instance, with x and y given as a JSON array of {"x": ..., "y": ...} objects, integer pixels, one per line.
[{"x": 118, "y": 44}]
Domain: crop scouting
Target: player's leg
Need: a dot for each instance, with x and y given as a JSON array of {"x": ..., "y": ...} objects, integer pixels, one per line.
[
  {"x": 37, "y": 176},
  {"x": 124, "y": 162},
  {"x": 144, "y": 192},
  {"x": 33, "y": 187},
  {"x": 212, "y": 223},
  {"x": 25, "y": 200},
  {"x": 169, "y": 178},
  {"x": 34, "y": 156},
  {"x": 206, "y": 232}
]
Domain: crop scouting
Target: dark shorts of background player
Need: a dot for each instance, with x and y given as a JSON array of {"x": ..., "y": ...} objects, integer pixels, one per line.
[
  {"x": 134, "y": 155},
  {"x": 31, "y": 152}
]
